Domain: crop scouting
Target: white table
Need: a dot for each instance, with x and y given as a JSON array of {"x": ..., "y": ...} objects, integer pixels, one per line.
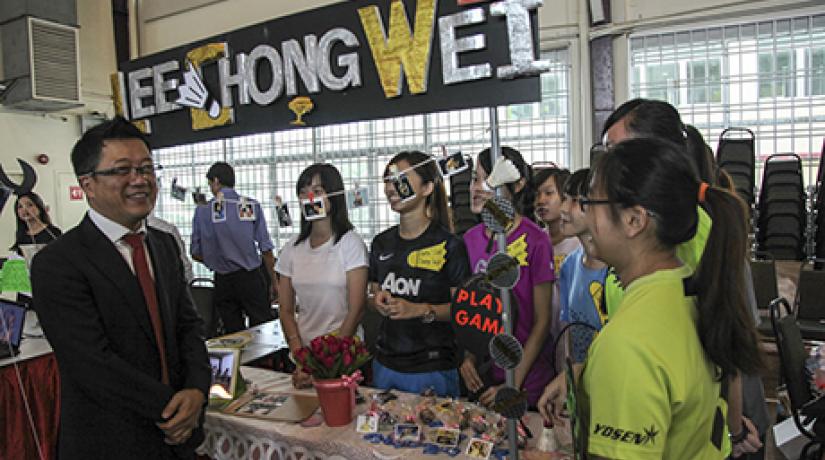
[
  {"x": 230, "y": 437},
  {"x": 267, "y": 338}
]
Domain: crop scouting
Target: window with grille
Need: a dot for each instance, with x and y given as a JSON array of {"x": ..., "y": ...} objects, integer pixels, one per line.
[
  {"x": 268, "y": 165},
  {"x": 768, "y": 76}
]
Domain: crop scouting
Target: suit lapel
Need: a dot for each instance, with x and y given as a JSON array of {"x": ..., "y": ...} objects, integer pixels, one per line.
[{"x": 108, "y": 261}]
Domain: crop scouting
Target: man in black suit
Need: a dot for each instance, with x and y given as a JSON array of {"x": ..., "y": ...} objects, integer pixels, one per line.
[{"x": 112, "y": 300}]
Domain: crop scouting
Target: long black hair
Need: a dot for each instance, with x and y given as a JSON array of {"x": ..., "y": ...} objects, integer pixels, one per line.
[
  {"x": 437, "y": 209},
  {"x": 525, "y": 200},
  {"x": 659, "y": 119},
  {"x": 332, "y": 182},
  {"x": 22, "y": 226},
  {"x": 652, "y": 173}
]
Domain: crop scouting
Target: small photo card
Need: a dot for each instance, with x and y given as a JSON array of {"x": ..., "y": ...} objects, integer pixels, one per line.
[
  {"x": 445, "y": 436},
  {"x": 246, "y": 210},
  {"x": 313, "y": 209},
  {"x": 357, "y": 197},
  {"x": 218, "y": 211},
  {"x": 479, "y": 448},
  {"x": 407, "y": 432},
  {"x": 178, "y": 192},
  {"x": 402, "y": 185},
  {"x": 452, "y": 164},
  {"x": 284, "y": 219},
  {"x": 198, "y": 197},
  {"x": 367, "y": 423}
]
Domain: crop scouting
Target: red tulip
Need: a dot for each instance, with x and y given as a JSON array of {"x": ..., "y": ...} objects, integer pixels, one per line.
[
  {"x": 317, "y": 348},
  {"x": 347, "y": 358},
  {"x": 328, "y": 361}
]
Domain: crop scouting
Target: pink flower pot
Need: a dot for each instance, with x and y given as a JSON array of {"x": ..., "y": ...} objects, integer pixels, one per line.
[{"x": 337, "y": 399}]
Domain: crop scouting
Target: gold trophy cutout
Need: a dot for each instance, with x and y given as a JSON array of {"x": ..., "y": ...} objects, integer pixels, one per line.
[{"x": 300, "y": 105}]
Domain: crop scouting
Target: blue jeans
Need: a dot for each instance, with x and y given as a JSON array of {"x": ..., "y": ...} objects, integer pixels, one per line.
[{"x": 445, "y": 383}]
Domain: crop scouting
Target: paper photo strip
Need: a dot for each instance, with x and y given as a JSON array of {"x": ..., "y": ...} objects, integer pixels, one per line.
[{"x": 177, "y": 192}]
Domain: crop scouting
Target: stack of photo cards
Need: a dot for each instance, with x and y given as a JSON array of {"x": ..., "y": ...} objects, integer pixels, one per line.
[
  {"x": 407, "y": 432},
  {"x": 282, "y": 407},
  {"x": 479, "y": 448},
  {"x": 448, "y": 437},
  {"x": 367, "y": 423}
]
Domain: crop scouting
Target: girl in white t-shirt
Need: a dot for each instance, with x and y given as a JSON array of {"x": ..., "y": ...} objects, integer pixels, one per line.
[{"x": 323, "y": 269}]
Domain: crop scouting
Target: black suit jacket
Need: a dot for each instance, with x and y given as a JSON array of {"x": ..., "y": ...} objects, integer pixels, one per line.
[{"x": 92, "y": 310}]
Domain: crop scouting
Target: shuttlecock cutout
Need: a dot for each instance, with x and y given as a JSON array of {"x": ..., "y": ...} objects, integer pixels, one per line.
[
  {"x": 504, "y": 172},
  {"x": 193, "y": 93}
]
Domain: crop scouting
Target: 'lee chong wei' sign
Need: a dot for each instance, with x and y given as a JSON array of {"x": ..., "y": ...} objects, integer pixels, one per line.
[{"x": 354, "y": 60}]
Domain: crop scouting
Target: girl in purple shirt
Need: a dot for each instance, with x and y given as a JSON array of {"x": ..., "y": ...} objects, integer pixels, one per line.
[{"x": 531, "y": 247}]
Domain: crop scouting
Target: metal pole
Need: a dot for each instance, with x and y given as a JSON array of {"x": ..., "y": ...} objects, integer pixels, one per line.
[{"x": 501, "y": 239}]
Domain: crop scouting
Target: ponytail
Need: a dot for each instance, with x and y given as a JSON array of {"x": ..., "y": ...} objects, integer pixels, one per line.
[
  {"x": 726, "y": 328},
  {"x": 653, "y": 174},
  {"x": 702, "y": 155}
]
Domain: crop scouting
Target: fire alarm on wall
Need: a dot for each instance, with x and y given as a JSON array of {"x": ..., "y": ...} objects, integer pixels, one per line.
[{"x": 43, "y": 159}]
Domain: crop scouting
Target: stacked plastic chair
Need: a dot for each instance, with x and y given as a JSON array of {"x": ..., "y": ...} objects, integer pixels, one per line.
[
  {"x": 735, "y": 154},
  {"x": 818, "y": 211},
  {"x": 782, "y": 216}
]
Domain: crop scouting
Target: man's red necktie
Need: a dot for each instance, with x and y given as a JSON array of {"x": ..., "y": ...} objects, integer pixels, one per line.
[{"x": 148, "y": 287}]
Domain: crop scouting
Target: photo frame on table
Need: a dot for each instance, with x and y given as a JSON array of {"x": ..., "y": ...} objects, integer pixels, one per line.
[
  {"x": 275, "y": 406},
  {"x": 225, "y": 363}
]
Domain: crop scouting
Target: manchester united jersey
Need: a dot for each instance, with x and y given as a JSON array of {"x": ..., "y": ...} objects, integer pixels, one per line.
[{"x": 421, "y": 270}]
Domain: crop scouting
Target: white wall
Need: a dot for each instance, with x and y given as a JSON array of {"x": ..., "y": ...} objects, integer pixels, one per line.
[{"x": 27, "y": 134}]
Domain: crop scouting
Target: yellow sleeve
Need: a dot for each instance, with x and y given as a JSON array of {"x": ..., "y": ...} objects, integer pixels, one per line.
[{"x": 629, "y": 407}]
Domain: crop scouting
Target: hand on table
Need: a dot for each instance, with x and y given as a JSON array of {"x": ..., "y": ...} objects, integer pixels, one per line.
[
  {"x": 301, "y": 379},
  {"x": 488, "y": 398},
  {"x": 182, "y": 414}
]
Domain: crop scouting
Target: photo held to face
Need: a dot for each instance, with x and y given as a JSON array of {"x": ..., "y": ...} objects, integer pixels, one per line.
[
  {"x": 415, "y": 268},
  {"x": 323, "y": 269},
  {"x": 530, "y": 245}
]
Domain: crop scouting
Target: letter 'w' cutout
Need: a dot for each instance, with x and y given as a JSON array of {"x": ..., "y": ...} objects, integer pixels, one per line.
[{"x": 402, "y": 48}]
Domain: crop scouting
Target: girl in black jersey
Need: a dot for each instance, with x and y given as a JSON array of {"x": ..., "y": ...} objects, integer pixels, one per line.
[{"x": 414, "y": 269}]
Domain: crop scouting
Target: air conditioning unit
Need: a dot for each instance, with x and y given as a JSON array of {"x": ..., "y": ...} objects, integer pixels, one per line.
[{"x": 41, "y": 65}]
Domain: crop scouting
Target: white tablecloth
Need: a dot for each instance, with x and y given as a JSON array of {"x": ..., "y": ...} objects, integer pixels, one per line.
[{"x": 231, "y": 437}]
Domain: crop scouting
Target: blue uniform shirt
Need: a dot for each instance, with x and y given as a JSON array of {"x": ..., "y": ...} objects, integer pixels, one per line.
[{"x": 226, "y": 242}]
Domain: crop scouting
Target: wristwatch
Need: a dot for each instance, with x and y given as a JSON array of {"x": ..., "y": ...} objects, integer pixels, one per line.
[{"x": 428, "y": 317}]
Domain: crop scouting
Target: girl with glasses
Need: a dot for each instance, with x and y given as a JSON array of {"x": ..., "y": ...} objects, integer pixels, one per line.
[{"x": 679, "y": 332}]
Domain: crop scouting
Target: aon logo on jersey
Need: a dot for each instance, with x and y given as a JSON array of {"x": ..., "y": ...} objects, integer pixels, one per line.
[{"x": 398, "y": 285}]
